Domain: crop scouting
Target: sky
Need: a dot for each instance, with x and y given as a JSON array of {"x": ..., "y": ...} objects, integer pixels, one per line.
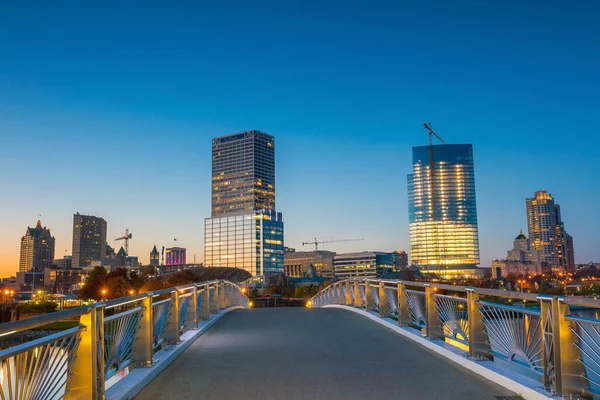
[{"x": 108, "y": 108}]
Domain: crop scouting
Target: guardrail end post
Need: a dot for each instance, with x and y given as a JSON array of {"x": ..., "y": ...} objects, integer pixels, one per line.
[
  {"x": 357, "y": 298},
  {"x": 348, "y": 290},
  {"x": 221, "y": 300},
  {"x": 192, "y": 312},
  {"x": 87, "y": 371}
]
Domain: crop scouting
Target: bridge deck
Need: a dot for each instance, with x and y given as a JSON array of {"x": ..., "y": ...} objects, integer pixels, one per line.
[{"x": 298, "y": 353}]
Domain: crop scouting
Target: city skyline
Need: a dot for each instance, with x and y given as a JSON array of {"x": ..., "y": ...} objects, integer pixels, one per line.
[{"x": 104, "y": 125}]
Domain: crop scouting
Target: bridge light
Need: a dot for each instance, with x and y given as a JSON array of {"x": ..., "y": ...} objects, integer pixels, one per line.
[
  {"x": 435, "y": 289},
  {"x": 250, "y": 304}
]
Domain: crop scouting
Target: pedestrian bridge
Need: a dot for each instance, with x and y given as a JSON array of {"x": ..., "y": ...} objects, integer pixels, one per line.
[{"x": 357, "y": 339}]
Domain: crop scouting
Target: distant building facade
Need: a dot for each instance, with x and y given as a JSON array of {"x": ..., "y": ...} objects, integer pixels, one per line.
[
  {"x": 250, "y": 241},
  {"x": 547, "y": 233},
  {"x": 175, "y": 256},
  {"x": 89, "y": 240},
  {"x": 245, "y": 230},
  {"x": 64, "y": 263},
  {"x": 443, "y": 212},
  {"x": 308, "y": 264},
  {"x": 154, "y": 257},
  {"x": 366, "y": 263},
  {"x": 37, "y": 249},
  {"x": 403, "y": 259},
  {"x": 521, "y": 260}
]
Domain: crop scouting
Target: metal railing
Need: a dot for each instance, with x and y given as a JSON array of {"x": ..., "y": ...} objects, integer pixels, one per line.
[
  {"x": 110, "y": 337},
  {"x": 544, "y": 337}
]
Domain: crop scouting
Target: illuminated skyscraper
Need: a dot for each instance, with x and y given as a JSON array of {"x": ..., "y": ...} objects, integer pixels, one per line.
[
  {"x": 547, "y": 232},
  {"x": 37, "y": 249},
  {"x": 243, "y": 173},
  {"x": 244, "y": 231},
  {"x": 443, "y": 213}
]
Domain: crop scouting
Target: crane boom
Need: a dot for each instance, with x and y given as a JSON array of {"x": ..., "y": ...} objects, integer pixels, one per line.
[
  {"x": 317, "y": 242},
  {"x": 126, "y": 238},
  {"x": 432, "y": 133}
]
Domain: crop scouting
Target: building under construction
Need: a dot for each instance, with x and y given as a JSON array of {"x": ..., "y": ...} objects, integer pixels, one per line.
[{"x": 442, "y": 208}]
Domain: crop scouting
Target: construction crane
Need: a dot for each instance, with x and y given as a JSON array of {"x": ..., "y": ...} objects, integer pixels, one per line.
[
  {"x": 126, "y": 238},
  {"x": 432, "y": 133},
  {"x": 317, "y": 242}
]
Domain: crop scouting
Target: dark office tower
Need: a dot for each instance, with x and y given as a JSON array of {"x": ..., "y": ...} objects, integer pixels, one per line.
[
  {"x": 443, "y": 212},
  {"x": 89, "y": 239},
  {"x": 37, "y": 249},
  {"x": 154, "y": 257},
  {"x": 243, "y": 173},
  {"x": 547, "y": 233}
]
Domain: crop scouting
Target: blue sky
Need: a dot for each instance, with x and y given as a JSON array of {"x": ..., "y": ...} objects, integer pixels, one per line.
[{"x": 109, "y": 109}]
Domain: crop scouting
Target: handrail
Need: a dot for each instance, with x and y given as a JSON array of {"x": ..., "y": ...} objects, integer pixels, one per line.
[
  {"x": 559, "y": 347},
  {"x": 41, "y": 320},
  {"x": 83, "y": 357}
]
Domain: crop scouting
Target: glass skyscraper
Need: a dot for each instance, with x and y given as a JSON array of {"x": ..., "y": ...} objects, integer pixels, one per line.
[
  {"x": 443, "y": 210},
  {"x": 245, "y": 231},
  {"x": 243, "y": 173}
]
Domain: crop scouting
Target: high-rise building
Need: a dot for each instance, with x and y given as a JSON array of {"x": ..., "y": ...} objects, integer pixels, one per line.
[
  {"x": 154, "y": 257},
  {"x": 243, "y": 173},
  {"x": 37, "y": 249},
  {"x": 547, "y": 232},
  {"x": 443, "y": 210},
  {"x": 245, "y": 231},
  {"x": 175, "y": 256},
  {"x": 89, "y": 240}
]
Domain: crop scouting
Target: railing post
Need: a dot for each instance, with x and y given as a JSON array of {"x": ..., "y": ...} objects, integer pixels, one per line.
[
  {"x": 88, "y": 368},
  {"x": 205, "y": 306},
  {"x": 172, "y": 333},
  {"x": 433, "y": 330},
  {"x": 403, "y": 309},
  {"x": 568, "y": 373},
  {"x": 144, "y": 341},
  {"x": 384, "y": 307},
  {"x": 221, "y": 294},
  {"x": 369, "y": 303},
  {"x": 357, "y": 298},
  {"x": 192, "y": 311},
  {"x": 479, "y": 346},
  {"x": 214, "y": 298},
  {"x": 348, "y": 292}
]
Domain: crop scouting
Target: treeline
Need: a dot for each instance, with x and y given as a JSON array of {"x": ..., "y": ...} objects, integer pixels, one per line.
[{"x": 121, "y": 282}]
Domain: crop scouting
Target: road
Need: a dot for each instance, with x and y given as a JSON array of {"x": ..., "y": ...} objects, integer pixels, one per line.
[{"x": 300, "y": 353}]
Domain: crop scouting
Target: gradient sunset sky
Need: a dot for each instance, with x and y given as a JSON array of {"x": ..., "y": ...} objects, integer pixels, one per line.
[{"x": 110, "y": 109}]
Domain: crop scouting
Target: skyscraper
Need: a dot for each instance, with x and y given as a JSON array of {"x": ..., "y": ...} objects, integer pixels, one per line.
[
  {"x": 243, "y": 173},
  {"x": 244, "y": 231},
  {"x": 37, "y": 249},
  {"x": 89, "y": 239},
  {"x": 443, "y": 212},
  {"x": 547, "y": 232}
]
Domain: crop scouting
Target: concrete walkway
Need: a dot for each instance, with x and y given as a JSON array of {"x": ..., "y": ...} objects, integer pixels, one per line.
[{"x": 300, "y": 353}]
